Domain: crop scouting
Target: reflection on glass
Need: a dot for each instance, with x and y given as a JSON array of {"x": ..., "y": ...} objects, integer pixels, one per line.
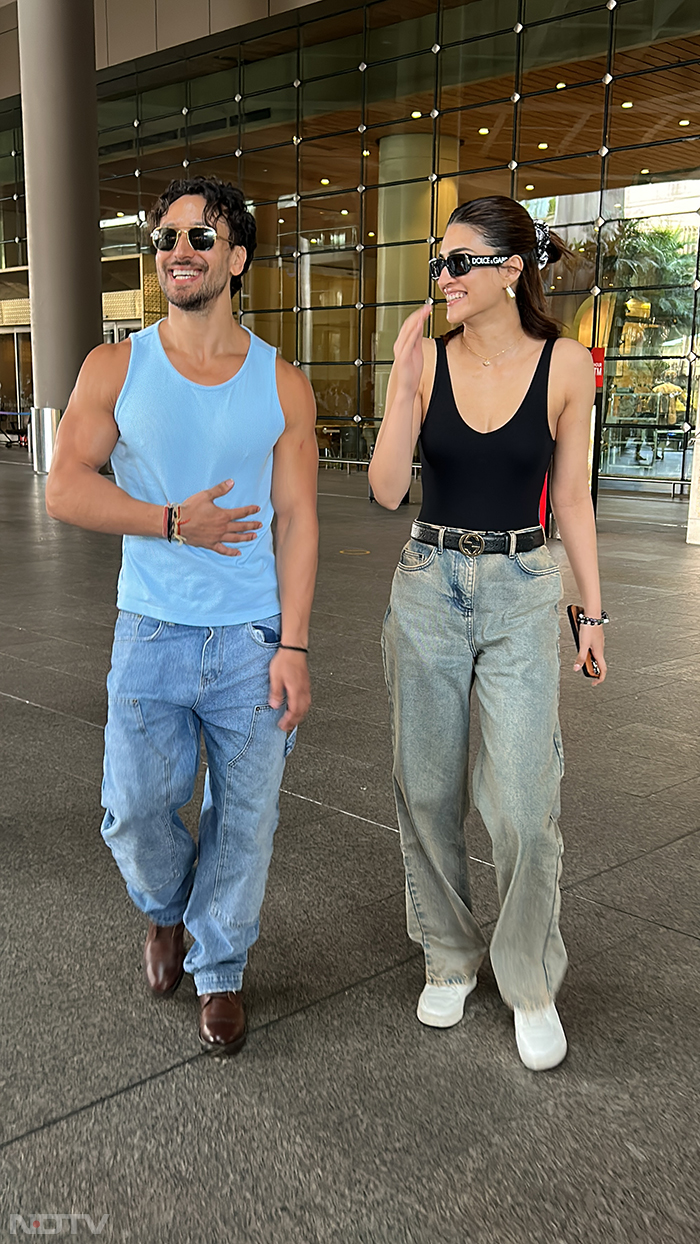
[
  {"x": 480, "y": 71},
  {"x": 653, "y": 251},
  {"x": 542, "y": 10},
  {"x": 571, "y": 123},
  {"x": 162, "y": 101},
  {"x": 122, "y": 110},
  {"x": 647, "y": 418},
  {"x": 333, "y": 163},
  {"x": 574, "y": 184},
  {"x": 654, "y": 106},
  {"x": 216, "y": 82},
  {"x": 269, "y": 118},
  {"x": 568, "y": 51},
  {"x": 671, "y": 30},
  {"x": 276, "y": 228},
  {"x": 331, "y": 104},
  {"x": 270, "y": 61},
  {"x": 270, "y": 285},
  {"x": 331, "y": 48},
  {"x": 8, "y": 375},
  {"x": 162, "y": 142},
  {"x": 118, "y": 151},
  {"x": 328, "y": 335},
  {"x": 330, "y": 222},
  {"x": 329, "y": 279},
  {"x": 484, "y": 135},
  {"x": 388, "y": 36},
  {"x": 656, "y": 180},
  {"x": 462, "y": 21},
  {"x": 23, "y": 346},
  {"x": 277, "y": 329},
  {"x": 119, "y": 198},
  {"x": 336, "y": 390},
  {"x": 403, "y": 88},
  {"x": 268, "y": 174}
]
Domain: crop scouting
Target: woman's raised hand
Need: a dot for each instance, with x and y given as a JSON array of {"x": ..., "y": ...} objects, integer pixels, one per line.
[{"x": 408, "y": 351}]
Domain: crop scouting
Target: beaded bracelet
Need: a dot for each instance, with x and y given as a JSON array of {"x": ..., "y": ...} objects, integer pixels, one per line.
[
  {"x": 172, "y": 524},
  {"x": 601, "y": 621}
]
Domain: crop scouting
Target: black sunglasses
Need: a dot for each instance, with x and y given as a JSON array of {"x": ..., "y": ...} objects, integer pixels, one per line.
[
  {"x": 459, "y": 263},
  {"x": 200, "y": 238}
]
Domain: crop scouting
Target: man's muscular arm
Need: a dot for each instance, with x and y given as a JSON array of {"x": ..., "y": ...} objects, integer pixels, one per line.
[
  {"x": 294, "y": 479},
  {"x": 76, "y": 492}
]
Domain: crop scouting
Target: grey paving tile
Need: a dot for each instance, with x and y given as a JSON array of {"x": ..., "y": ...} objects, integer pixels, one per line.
[
  {"x": 341, "y": 782},
  {"x": 58, "y": 654},
  {"x": 349, "y": 1121},
  {"x": 603, "y": 826},
  {"x": 662, "y": 886},
  {"x": 46, "y": 737},
  {"x": 76, "y": 697}
]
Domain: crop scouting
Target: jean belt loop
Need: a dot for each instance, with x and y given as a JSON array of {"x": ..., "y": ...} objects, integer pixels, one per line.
[
  {"x": 513, "y": 543},
  {"x": 441, "y": 539}
]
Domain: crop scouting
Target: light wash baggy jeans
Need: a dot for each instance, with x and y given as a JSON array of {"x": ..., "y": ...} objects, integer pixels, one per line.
[
  {"x": 491, "y": 621},
  {"x": 168, "y": 684}
]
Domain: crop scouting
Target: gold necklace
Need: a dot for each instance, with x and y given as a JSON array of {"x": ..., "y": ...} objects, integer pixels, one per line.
[{"x": 487, "y": 362}]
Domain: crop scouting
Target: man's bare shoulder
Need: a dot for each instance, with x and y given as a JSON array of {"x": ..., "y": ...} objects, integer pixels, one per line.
[
  {"x": 295, "y": 392},
  {"x": 102, "y": 377}
]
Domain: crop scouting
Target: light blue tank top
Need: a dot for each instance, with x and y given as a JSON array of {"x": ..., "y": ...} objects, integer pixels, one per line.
[{"x": 176, "y": 438}]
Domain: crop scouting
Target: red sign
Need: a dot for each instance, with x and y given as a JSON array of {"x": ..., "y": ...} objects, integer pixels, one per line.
[{"x": 598, "y": 356}]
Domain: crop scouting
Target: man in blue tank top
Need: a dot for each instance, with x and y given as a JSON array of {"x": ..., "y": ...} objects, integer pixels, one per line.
[{"x": 211, "y": 435}]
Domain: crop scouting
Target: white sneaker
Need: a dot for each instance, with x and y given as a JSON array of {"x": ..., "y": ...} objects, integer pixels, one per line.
[
  {"x": 540, "y": 1038},
  {"x": 442, "y": 1006}
]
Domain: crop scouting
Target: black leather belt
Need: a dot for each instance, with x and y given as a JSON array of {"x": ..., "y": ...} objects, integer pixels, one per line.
[{"x": 474, "y": 543}]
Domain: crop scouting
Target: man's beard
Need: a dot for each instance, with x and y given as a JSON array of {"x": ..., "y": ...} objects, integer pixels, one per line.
[{"x": 196, "y": 300}]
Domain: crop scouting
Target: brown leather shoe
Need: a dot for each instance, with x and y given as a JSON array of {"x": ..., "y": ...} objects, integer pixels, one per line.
[
  {"x": 163, "y": 957},
  {"x": 221, "y": 1023}
]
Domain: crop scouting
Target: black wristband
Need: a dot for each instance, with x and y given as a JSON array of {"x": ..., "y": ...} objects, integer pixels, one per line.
[{"x": 293, "y": 648}]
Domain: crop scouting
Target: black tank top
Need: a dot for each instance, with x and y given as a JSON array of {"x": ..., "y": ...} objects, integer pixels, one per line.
[{"x": 485, "y": 481}]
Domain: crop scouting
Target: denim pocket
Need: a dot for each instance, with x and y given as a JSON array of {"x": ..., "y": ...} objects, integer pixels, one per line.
[
  {"x": 416, "y": 556},
  {"x": 137, "y": 626},
  {"x": 267, "y": 632},
  {"x": 537, "y": 562}
]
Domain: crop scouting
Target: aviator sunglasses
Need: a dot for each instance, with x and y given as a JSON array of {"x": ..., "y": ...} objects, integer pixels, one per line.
[
  {"x": 200, "y": 238},
  {"x": 459, "y": 263}
]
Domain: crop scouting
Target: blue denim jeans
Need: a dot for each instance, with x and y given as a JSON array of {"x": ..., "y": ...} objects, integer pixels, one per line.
[
  {"x": 491, "y": 622},
  {"x": 168, "y": 685}
]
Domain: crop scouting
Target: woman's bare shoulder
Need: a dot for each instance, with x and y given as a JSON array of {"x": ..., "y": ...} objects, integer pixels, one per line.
[{"x": 572, "y": 354}]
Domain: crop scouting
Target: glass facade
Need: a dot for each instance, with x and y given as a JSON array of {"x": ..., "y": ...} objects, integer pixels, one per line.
[{"x": 353, "y": 138}]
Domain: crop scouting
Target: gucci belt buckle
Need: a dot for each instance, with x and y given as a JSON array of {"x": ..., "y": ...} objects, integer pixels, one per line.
[{"x": 471, "y": 544}]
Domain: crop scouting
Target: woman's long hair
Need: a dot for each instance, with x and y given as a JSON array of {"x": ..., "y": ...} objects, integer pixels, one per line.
[{"x": 509, "y": 229}]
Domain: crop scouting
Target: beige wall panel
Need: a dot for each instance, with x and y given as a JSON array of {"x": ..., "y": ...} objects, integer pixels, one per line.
[
  {"x": 8, "y": 17},
  {"x": 179, "y": 21},
  {"x": 227, "y": 14},
  {"x": 286, "y": 6},
  {"x": 101, "y": 58},
  {"x": 9, "y": 64},
  {"x": 131, "y": 29}
]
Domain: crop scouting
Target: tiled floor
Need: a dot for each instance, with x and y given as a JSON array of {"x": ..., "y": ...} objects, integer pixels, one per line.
[{"x": 344, "y": 1120}]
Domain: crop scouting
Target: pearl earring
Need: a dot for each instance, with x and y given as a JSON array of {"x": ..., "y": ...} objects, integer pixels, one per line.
[{"x": 510, "y": 291}]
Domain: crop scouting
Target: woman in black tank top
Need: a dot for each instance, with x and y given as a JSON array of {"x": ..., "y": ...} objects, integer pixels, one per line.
[{"x": 493, "y": 405}]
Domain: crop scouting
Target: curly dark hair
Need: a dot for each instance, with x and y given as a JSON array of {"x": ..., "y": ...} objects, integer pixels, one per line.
[{"x": 223, "y": 202}]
